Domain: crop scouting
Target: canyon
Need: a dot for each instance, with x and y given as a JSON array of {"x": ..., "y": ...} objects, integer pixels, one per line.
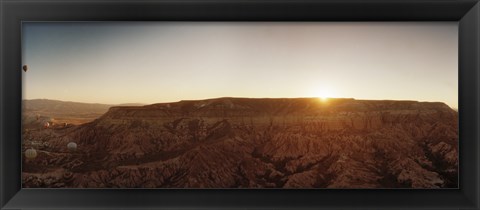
[{"x": 250, "y": 143}]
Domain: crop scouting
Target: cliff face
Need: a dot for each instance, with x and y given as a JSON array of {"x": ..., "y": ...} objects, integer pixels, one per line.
[{"x": 256, "y": 143}]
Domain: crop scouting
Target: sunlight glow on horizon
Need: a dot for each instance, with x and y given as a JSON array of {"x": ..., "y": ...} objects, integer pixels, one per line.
[
  {"x": 325, "y": 93},
  {"x": 157, "y": 62}
]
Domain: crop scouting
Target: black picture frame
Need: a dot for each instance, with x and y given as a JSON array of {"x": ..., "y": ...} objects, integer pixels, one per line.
[{"x": 13, "y": 12}]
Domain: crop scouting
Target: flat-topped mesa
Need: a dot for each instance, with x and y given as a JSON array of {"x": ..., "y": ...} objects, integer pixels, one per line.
[
  {"x": 298, "y": 142},
  {"x": 384, "y": 105},
  {"x": 255, "y": 107},
  {"x": 118, "y": 112}
]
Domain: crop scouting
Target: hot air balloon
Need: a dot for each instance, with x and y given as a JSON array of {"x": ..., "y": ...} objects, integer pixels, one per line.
[
  {"x": 25, "y": 68},
  {"x": 72, "y": 146},
  {"x": 31, "y": 153}
]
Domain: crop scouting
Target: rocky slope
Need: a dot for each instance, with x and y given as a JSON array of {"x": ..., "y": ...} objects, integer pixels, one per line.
[{"x": 253, "y": 143}]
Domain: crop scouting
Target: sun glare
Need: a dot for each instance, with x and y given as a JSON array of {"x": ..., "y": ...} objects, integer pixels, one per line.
[{"x": 324, "y": 94}]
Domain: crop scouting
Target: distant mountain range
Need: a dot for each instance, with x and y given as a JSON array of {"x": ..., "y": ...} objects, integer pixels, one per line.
[
  {"x": 57, "y": 106},
  {"x": 255, "y": 143},
  {"x": 66, "y": 110}
]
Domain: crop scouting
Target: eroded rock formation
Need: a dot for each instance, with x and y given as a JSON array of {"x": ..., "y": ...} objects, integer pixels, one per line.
[{"x": 253, "y": 143}]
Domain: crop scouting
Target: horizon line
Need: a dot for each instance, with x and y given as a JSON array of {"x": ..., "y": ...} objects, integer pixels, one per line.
[{"x": 311, "y": 97}]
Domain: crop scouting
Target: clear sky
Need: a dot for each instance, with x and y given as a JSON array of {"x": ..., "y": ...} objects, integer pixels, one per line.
[{"x": 152, "y": 62}]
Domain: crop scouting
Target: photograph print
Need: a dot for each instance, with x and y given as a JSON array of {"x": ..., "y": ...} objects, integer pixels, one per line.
[{"x": 254, "y": 105}]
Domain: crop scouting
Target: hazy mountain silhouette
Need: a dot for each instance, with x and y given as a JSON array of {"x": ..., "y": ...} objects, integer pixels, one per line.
[{"x": 65, "y": 111}]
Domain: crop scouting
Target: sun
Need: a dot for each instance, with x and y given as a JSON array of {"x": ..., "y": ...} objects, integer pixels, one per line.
[{"x": 324, "y": 94}]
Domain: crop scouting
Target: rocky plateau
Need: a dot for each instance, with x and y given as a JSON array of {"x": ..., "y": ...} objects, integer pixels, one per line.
[{"x": 251, "y": 143}]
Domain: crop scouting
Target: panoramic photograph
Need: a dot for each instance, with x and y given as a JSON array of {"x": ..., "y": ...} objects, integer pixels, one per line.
[{"x": 253, "y": 105}]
